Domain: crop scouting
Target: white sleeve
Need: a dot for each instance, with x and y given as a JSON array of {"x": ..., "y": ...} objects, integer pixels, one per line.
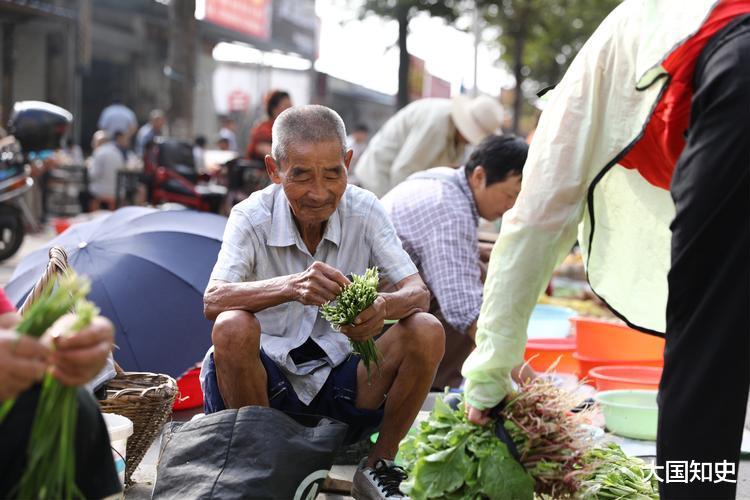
[
  {"x": 236, "y": 260},
  {"x": 542, "y": 227}
]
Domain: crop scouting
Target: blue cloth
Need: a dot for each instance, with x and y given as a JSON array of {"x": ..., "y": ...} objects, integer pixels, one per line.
[{"x": 336, "y": 399}]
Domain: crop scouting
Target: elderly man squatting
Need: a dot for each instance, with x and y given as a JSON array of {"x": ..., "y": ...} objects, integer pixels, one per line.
[{"x": 286, "y": 251}]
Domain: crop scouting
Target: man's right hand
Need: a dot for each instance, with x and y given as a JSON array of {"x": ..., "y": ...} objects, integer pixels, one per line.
[
  {"x": 23, "y": 362},
  {"x": 318, "y": 284}
]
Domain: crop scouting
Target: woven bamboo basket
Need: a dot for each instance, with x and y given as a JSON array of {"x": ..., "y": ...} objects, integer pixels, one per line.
[{"x": 144, "y": 398}]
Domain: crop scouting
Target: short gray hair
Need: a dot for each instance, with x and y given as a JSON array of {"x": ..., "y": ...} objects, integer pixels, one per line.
[{"x": 309, "y": 124}]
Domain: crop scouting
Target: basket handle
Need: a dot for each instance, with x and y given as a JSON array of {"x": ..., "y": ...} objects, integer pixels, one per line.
[
  {"x": 58, "y": 264},
  {"x": 143, "y": 392}
]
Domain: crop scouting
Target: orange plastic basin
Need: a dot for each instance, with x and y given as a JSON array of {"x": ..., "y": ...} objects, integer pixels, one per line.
[
  {"x": 609, "y": 378},
  {"x": 602, "y": 340},
  {"x": 586, "y": 364},
  {"x": 542, "y": 353}
]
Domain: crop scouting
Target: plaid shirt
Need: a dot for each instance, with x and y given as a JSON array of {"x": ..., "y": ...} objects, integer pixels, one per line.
[{"x": 436, "y": 219}]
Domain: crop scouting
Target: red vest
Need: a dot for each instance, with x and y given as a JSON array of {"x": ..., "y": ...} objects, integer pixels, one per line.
[{"x": 655, "y": 154}]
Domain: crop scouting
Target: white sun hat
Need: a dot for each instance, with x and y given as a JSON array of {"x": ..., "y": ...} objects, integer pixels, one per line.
[{"x": 477, "y": 118}]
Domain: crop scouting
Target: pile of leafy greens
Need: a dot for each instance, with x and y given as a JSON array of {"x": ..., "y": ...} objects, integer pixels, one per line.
[{"x": 451, "y": 458}]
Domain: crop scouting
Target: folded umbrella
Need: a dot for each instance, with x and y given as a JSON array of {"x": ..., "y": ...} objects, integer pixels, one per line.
[{"x": 148, "y": 270}]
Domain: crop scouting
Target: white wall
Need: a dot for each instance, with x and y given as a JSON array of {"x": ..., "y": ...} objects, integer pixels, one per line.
[{"x": 217, "y": 80}]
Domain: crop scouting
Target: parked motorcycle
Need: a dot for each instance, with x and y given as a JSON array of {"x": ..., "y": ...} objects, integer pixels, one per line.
[
  {"x": 171, "y": 177},
  {"x": 35, "y": 127}
]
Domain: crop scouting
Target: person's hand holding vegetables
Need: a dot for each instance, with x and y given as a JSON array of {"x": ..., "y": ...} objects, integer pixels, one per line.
[
  {"x": 477, "y": 416},
  {"x": 23, "y": 362},
  {"x": 79, "y": 356},
  {"x": 367, "y": 323},
  {"x": 521, "y": 374},
  {"x": 356, "y": 310},
  {"x": 318, "y": 284}
]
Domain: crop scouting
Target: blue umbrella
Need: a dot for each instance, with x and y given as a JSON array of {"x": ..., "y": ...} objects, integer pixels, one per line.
[{"x": 148, "y": 271}]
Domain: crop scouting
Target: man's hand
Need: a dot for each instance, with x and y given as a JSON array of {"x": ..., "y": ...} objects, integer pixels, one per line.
[
  {"x": 368, "y": 323},
  {"x": 23, "y": 361},
  {"x": 318, "y": 284},
  {"x": 79, "y": 356},
  {"x": 476, "y": 416}
]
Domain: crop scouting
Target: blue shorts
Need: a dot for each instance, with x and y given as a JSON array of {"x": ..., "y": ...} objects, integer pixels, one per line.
[{"x": 336, "y": 399}]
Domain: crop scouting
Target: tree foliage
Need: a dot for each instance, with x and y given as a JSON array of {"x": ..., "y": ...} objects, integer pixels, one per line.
[
  {"x": 447, "y": 9},
  {"x": 403, "y": 11},
  {"x": 539, "y": 38}
]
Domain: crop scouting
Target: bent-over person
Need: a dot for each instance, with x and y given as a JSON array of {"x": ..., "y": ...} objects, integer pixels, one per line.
[{"x": 436, "y": 214}]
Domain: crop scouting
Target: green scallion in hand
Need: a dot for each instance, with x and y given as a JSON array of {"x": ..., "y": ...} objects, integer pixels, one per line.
[
  {"x": 50, "y": 457},
  {"x": 355, "y": 298}
]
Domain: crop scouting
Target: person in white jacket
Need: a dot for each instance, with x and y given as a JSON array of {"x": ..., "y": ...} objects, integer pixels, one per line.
[
  {"x": 108, "y": 159},
  {"x": 643, "y": 155},
  {"x": 426, "y": 133}
]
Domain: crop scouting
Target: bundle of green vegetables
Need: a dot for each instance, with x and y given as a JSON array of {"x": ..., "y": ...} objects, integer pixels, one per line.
[
  {"x": 452, "y": 458},
  {"x": 549, "y": 437},
  {"x": 607, "y": 472},
  {"x": 50, "y": 456},
  {"x": 353, "y": 299}
]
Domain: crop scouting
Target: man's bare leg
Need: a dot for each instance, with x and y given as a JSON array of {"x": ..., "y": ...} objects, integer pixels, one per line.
[
  {"x": 240, "y": 373},
  {"x": 411, "y": 351}
]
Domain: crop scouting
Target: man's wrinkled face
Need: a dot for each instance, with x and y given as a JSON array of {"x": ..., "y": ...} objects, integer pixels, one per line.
[
  {"x": 497, "y": 198},
  {"x": 314, "y": 178}
]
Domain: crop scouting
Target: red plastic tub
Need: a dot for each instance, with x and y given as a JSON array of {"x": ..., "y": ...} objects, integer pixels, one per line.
[
  {"x": 61, "y": 225},
  {"x": 190, "y": 393},
  {"x": 586, "y": 364},
  {"x": 609, "y": 378},
  {"x": 542, "y": 353}
]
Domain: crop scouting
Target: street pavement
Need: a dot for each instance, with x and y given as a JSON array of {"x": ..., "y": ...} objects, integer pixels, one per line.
[{"x": 145, "y": 474}]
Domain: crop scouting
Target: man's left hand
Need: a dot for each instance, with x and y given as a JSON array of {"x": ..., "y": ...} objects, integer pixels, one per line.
[
  {"x": 368, "y": 323},
  {"x": 79, "y": 356}
]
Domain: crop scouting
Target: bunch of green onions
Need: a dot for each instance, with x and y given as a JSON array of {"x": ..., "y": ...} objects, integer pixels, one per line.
[
  {"x": 50, "y": 456},
  {"x": 355, "y": 298}
]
